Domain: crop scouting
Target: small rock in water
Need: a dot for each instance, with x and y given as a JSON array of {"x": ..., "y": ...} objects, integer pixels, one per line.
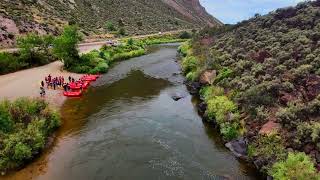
[
  {"x": 202, "y": 107},
  {"x": 176, "y": 97}
]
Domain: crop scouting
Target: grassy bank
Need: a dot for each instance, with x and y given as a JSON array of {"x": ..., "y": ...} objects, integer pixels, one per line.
[
  {"x": 36, "y": 50},
  {"x": 25, "y": 126},
  {"x": 98, "y": 61}
]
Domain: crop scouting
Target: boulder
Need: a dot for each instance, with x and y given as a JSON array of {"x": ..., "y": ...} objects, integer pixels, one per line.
[
  {"x": 202, "y": 107},
  {"x": 269, "y": 127},
  {"x": 238, "y": 147},
  {"x": 259, "y": 163},
  {"x": 208, "y": 76},
  {"x": 193, "y": 87}
]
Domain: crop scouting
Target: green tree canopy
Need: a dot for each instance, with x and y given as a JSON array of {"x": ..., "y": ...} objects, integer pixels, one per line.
[{"x": 65, "y": 46}]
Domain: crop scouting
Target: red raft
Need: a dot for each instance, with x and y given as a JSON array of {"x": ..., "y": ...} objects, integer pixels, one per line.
[
  {"x": 90, "y": 77},
  {"x": 79, "y": 85},
  {"x": 72, "y": 94}
]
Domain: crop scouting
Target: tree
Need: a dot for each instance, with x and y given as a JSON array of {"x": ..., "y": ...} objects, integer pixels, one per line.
[
  {"x": 130, "y": 42},
  {"x": 35, "y": 48},
  {"x": 122, "y": 31},
  {"x": 185, "y": 35},
  {"x": 28, "y": 46},
  {"x": 65, "y": 46},
  {"x": 110, "y": 26}
]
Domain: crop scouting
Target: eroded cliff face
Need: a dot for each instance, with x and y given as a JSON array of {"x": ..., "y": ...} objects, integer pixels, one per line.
[
  {"x": 193, "y": 10},
  {"x": 137, "y": 16}
]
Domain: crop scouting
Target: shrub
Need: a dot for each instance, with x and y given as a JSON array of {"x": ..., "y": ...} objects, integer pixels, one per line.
[
  {"x": 185, "y": 35},
  {"x": 6, "y": 123},
  {"x": 309, "y": 129},
  {"x": 122, "y": 31},
  {"x": 223, "y": 74},
  {"x": 21, "y": 152},
  {"x": 229, "y": 130},
  {"x": 189, "y": 63},
  {"x": 297, "y": 166},
  {"x": 219, "y": 107},
  {"x": 210, "y": 91},
  {"x": 110, "y": 26},
  {"x": 100, "y": 68},
  {"x": 191, "y": 76},
  {"x": 25, "y": 126},
  {"x": 270, "y": 148},
  {"x": 184, "y": 48}
]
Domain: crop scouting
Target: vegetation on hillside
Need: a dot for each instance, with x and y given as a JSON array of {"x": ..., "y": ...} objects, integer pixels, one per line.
[
  {"x": 99, "y": 17},
  {"x": 25, "y": 126},
  {"x": 267, "y": 71}
]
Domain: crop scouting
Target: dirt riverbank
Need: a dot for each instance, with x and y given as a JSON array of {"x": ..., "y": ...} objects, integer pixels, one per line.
[{"x": 26, "y": 83}]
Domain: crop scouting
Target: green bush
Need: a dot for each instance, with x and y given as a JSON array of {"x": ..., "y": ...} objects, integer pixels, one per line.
[
  {"x": 189, "y": 64},
  {"x": 110, "y": 26},
  {"x": 210, "y": 91},
  {"x": 6, "y": 123},
  {"x": 25, "y": 126},
  {"x": 229, "y": 130},
  {"x": 308, "y": 129},
  {"x": 270, "y": 148},
  {"x": 184, "y": 48},
  {"x": 298, "y": 166},
  {"x": 21, "y": 152},
  {"x": 219, "y": 107},
  {"x": 100, "y": 68},
  {"x": 223, "y": 74},
  {"x": 185, "y": 35}
]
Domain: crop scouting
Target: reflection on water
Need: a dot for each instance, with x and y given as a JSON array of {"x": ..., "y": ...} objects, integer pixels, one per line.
[{"x": 128, "y": 127}]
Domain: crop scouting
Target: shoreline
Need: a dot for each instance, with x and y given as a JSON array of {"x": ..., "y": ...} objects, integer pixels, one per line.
[{"x": 13, "y": 86}]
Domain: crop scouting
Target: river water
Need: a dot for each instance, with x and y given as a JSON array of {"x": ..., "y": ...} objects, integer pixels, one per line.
[{"x": 127, "y": 126}]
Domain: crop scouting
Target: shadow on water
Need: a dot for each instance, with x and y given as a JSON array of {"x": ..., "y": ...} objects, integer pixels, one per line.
[{"x": 136, "y": 85}]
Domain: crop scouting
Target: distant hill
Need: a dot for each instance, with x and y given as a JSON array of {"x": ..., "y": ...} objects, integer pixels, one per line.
[{"x": 137, "y": 16}]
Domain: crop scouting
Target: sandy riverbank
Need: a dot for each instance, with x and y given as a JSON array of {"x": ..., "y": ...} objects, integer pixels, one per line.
[{"x": 26, "y": 83}]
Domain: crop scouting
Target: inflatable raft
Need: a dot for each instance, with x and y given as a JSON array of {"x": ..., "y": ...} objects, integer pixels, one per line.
[
  {"x": 72, "y": 94},
  {"x": 74, "y": 86},
  {"x": 90, "y": 77}
]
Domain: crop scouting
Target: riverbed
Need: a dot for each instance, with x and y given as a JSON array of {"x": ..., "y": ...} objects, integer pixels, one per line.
[{"x": 127, "y": 126}]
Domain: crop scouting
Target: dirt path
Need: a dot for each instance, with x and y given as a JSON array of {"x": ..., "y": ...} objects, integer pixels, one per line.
[{"x": 26, "y": 83}]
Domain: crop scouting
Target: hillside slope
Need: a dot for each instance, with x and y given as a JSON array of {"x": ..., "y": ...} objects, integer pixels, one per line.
[
  {"x": 266, "y": 85},
  {"x": 137, "y": 16}
]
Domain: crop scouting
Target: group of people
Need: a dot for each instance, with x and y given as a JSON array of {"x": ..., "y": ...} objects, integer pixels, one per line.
[{"x": 54, "y": 83}]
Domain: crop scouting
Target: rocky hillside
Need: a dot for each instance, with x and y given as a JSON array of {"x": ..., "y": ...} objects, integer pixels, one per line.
[
  {"x": 260, "y": 80},
  {"x": 136, "y": 16}
]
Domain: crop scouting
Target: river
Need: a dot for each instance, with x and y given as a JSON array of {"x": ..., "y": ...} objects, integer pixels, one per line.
[{"x": 127, "y": 126}]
